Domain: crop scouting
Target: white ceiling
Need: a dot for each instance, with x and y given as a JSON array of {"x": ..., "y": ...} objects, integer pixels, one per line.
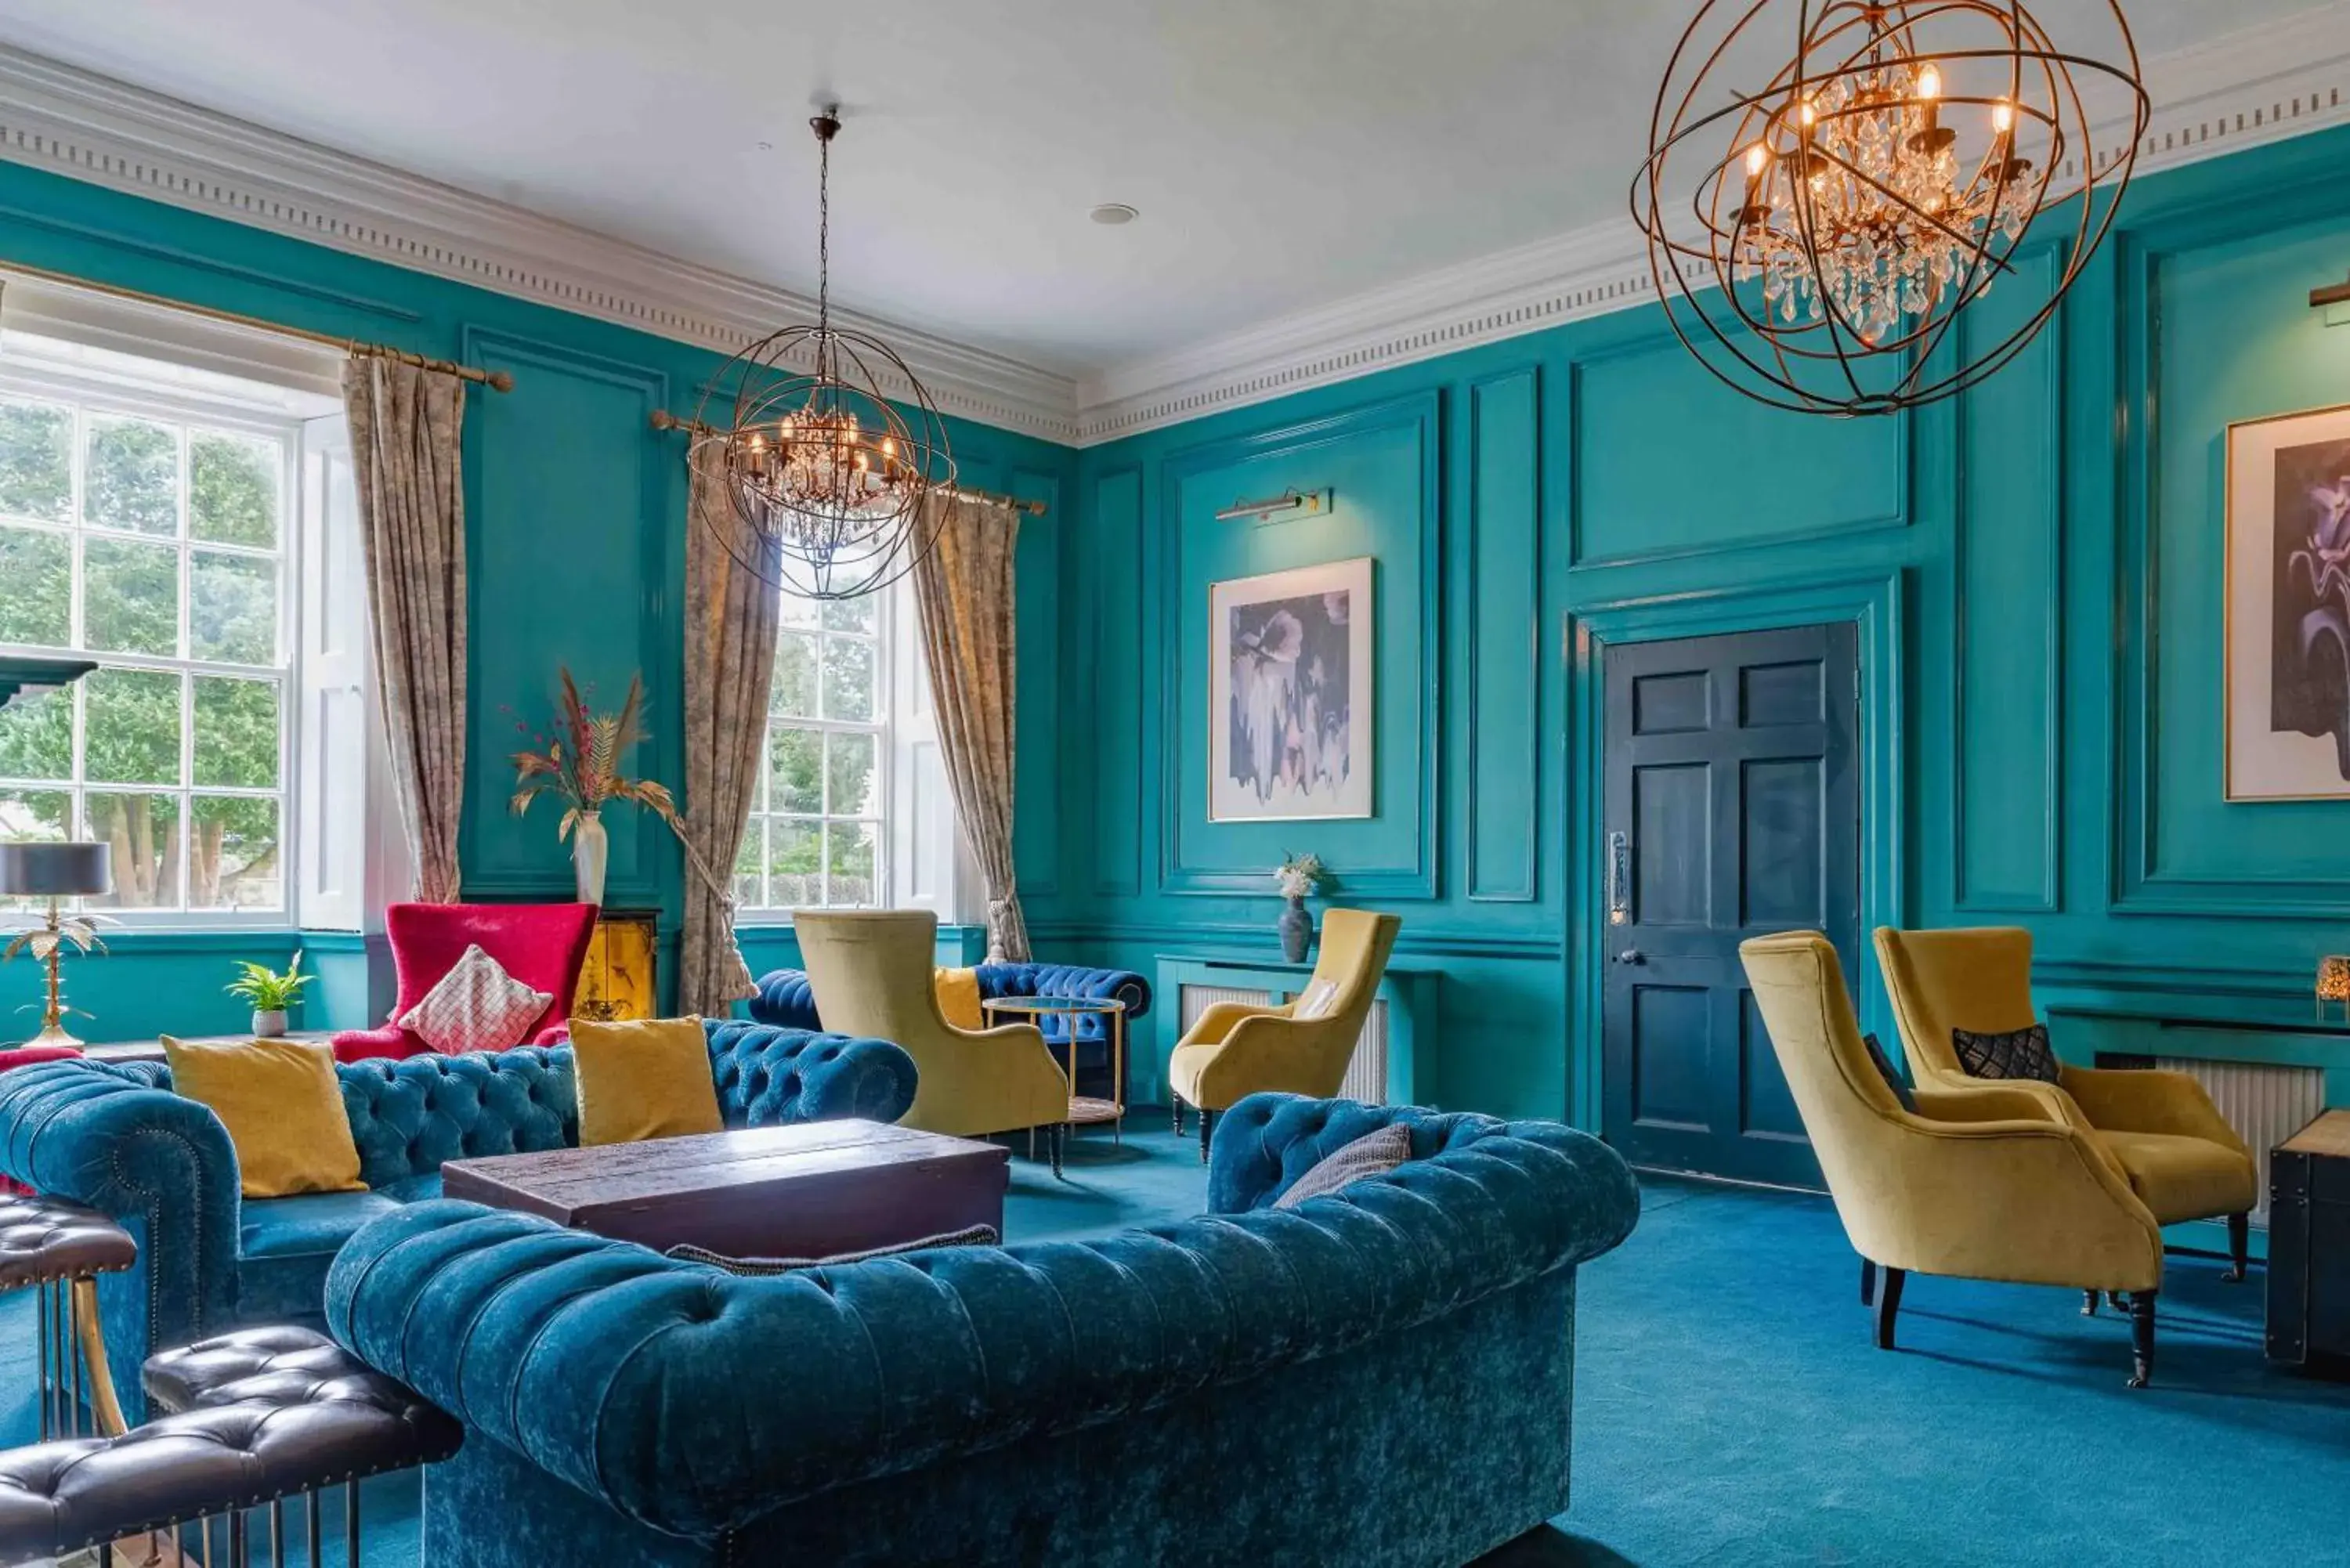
[{"x": 1284, "y": 153}]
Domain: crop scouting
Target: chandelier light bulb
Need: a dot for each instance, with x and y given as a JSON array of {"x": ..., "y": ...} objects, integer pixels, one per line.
[
  {"x": 1929, "y": 83},
  {"x": 2002, "y": 117},
  {"x": 1758, "y": 158}
]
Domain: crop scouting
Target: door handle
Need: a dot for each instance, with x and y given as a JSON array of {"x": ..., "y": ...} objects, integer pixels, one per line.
[
  {"x": 1631, "y": 955},
  {"x": 1620, "y": 879}
]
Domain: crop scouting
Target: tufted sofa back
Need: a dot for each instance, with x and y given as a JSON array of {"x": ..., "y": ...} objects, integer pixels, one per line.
[
  {"x": 786, "y": 998},
  {"x": 411, "y": 1114}
]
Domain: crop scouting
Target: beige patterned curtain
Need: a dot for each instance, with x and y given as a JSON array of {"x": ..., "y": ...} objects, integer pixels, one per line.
[
  {"x": 406, "y": 431},
  {"x": 963, "y": 588},
  {"x": 729, "y": 661}
]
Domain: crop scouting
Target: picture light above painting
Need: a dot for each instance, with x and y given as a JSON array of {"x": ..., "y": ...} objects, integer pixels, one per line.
[{"x": 1290, "y": 694}]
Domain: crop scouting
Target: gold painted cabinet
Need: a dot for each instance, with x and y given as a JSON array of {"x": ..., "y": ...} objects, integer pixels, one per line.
[{"x": 619, "y": 981}]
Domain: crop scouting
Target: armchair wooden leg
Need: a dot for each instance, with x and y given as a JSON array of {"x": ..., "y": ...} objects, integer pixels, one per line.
[
  {"x": 1175, "y": 1109},
  {"x": 1868, "y": 1282},
  {"x": 1057, "y": 1138},
  {"x": 1207, "y": 1131},
  {"x": 2141, "y": 1337},
  {"x": 1888, "y": 1303},
  {"x": 2240, "y": 1247},
  {"x": 2089, "y": 1303}
]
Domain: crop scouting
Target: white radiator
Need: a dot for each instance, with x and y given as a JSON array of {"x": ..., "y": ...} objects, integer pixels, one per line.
[
  {"x": 2265, "y": 1104},
  {"x": 1367, "y": 1070}
]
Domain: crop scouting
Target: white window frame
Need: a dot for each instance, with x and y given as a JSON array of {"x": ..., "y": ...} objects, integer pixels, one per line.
[{"x": 108, "y": 395}]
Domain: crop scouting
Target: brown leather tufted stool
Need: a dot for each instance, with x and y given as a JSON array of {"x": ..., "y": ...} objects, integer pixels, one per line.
[
  {"x": 269, "y": 1415},
  {"x": 59, "y": 1250}
]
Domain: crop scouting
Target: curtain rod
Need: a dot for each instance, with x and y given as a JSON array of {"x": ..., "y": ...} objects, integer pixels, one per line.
[
  {"x": 663, "y": 420},
  {"x": 496, "y": 381}
]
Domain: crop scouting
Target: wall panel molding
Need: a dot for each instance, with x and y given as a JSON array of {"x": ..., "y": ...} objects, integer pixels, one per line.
[
  {"x": 1115, "y": 644},
  {"x": 1180, "y": 872},
  {"x": 1502, "y": 751}
]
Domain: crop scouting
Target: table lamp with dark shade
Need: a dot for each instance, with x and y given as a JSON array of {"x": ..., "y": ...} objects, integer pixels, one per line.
[{"x": 55, "y": 872}]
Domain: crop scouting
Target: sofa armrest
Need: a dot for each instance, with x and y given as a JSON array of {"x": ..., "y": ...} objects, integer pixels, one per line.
[
  {"x": 696, "y": 1402},
  {"x": 769, "y": 1076},
  {"x": 786, "y": 1000},
  {"x": 1068, "y": 980},
  {"x": 2149, "y": 1100},
  {"x": 1994, "y": 1102},
  {"x": 366, "y": 1045},
  {"x": 157, "y": 1163}
]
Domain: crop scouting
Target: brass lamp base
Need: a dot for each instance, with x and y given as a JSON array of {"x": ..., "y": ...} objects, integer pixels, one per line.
[{"x": 56, "y": 1033}]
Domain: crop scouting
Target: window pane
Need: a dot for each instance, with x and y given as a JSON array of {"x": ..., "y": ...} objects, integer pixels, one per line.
[
  {"x": 798, "y": 611},
  {"x": 38, "y": 816},
  {"x": 232, "y": 488},
  {"x": 133, "y": 480},
  {"x": 37, "y": 737},
  {"x": 145, "y": 832},
  {"x": 856, "y": 781},
  {"x": 853, "y": 857},
  {"x": 131, "y": 596},
  {"x": 235, "y": 863},
  {"x": 38, "y": 568},
  {"x": 848, "y": 670},
  {"x": 37, "y": 461},
  {"x": 133, "y": 727},
  {"x": 793, "y": 847},
  {"x": 795, "y": 770},
  {"x": 748, "y": 893},
  {"x": 859, "y": 614},
  {"x": 237, "y": 732},
  {"x": 232, "y": 609},
  {"x": 793, "y": 692}
]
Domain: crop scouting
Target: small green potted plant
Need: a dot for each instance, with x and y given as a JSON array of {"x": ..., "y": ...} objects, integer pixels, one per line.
[{"x": 269, "y": 992}]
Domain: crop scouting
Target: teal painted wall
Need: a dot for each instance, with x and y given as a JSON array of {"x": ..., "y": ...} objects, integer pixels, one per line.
[
  {"x": 2035, "y": 570},
  {"x": 575, "y": 513}
]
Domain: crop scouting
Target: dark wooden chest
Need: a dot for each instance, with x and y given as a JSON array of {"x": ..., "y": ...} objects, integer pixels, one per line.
[{"x": 2309, "y": 1248}]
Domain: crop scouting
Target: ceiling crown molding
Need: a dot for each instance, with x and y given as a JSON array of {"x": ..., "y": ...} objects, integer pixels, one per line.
[
  {"x": 2237, "y": 91},
  {"x": 93, "y": 127}
]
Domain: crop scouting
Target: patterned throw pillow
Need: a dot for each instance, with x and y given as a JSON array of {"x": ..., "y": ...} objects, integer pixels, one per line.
[
  {"x": 754, "y": 1268},
  {"x": 2012, "y": 1054},
  {"x": 1893, "y": 1080},
  {"x": 1370, "y": 1155},
  {"x": 477, "y": 1006}
]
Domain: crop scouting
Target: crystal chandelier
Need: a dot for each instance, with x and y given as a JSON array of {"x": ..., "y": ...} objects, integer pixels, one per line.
[
  {"x": 1841, "y": 217},
  {"x": 827, "y": 444}
]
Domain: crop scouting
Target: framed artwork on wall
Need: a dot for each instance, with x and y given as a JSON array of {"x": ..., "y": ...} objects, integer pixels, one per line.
[
  {"x": 2288, "y": 606},
  {"x": 1289, "y": 694}
]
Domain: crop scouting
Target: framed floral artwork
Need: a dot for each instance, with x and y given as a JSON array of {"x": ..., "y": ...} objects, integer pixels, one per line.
[
  {"x": 2288, "y": 606},
  {"x": 1289, "y": 727}
]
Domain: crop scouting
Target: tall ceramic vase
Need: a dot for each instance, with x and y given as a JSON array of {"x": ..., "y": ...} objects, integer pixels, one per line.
[
  {"x": 588, "y": 849},
  {"x": 1296, "y": 929}
]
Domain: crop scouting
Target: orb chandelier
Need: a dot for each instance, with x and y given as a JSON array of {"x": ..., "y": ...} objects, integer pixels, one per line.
[
  {"x": 1844, "y": 213},
  {"x": 827, "y": 444}
]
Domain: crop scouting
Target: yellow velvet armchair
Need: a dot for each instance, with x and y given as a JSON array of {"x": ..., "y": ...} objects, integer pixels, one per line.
[
  {"x": 1301, "y": 1046},
  {"x": 2158, "y": 1128},
  {"x": 1982, "y": 1181},
  {"x": 871, "y": 972}
]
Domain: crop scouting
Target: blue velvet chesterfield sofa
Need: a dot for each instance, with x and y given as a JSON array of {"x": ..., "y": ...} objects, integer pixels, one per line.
[
  {"x": 116, "y": 1138},
  {"x": 786, "y": 1000},
  {"x": 1378, "y": 1377}
]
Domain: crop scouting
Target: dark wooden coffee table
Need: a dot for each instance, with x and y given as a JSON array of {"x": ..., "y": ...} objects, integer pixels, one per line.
[{"x": 806, "y": 1191}]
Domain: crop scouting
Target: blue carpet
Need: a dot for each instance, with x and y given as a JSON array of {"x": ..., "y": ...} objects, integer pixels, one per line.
[{"x": 1731, "y": 1410}]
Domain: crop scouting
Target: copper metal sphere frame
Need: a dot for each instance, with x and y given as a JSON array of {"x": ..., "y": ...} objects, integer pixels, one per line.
[
  {"x": 832, "y": 538},
  {"x": 1812, "y": 364}
]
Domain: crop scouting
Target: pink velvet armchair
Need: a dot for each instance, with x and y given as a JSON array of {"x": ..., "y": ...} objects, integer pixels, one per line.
[{"x": 541, "y": 945}]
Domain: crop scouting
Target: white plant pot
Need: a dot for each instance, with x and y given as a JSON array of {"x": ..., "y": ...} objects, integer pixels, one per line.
[
  {"x": 588, "y": 852},
  {"x": 268, "y": 1026}
]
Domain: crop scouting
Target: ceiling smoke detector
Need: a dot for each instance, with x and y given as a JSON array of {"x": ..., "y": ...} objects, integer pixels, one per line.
[{"x": 1113, "y": 214}]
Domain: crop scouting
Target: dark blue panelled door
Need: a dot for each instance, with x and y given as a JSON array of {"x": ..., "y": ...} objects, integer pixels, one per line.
[{"x": 1732, "y": 809}]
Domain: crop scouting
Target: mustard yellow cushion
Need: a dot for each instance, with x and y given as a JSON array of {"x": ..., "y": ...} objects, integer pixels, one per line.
[
  {"x": 283, "y": 1108},
  {"x": 959, "y": 999},
  {"x": 642, "y": 1078}
]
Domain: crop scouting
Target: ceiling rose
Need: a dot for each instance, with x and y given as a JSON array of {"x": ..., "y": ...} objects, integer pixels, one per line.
[
  {"x": 825, "y": 443},
  {"x": 1816, "y": 239}
]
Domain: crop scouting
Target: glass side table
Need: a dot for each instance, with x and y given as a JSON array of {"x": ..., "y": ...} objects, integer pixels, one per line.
[{"x": 1085, "y": 1110}]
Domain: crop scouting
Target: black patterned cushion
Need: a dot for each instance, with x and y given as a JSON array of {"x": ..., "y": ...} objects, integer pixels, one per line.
[
  {"x": 1373, "y": 1154},
  {"x": 975, "y": 1236},
  {"x": 1893, "y": 1079},
  {"x": 2012, "y": 1053}
]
